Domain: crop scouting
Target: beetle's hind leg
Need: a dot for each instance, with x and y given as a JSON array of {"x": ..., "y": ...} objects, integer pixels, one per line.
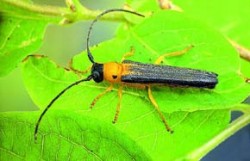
[
  {"x": 151, "y": 98},
  {"x": 100, "y": 95},
  {"x": 176, "y": 53}
]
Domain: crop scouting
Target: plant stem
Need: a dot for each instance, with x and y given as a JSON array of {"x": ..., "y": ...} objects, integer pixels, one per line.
[
  {"x": 35, "y": 8},
  {"x": 232, "y": 129},
  {"x": 82, "y": 13},
  {"x": 245, "y": 108},
  {"x": 24, "y": 10}
]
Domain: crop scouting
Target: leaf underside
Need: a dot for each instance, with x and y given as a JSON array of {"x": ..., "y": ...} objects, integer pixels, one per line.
[
  {"x": 65, "y": 134},
  {"x": 87, "y": 139}
]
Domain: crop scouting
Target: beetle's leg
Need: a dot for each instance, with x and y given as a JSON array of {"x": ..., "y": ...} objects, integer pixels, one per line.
[
  {"x": 100, "y": 95},
  {"x": 128, "y": 54},
  {"x": 247, "y": 80},
  {"x": 118, "y": 107},
  {"x": 176, "y": 53},
  {"x": 151, "y": 98},
  {"x": 78, "y": 72},
  {"x": 81, "y": 72}
]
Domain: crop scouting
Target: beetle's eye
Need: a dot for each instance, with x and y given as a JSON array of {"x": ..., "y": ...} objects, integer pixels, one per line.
[
  {"x": 96, "y": 76},
  {"x": 114, "y": 76}
]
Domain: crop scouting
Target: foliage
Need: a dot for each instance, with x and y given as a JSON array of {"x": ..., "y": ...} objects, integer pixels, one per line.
[{"x": 70, "y": 130}]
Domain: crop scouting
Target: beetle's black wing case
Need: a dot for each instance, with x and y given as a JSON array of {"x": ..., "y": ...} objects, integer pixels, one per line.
[{"x": 159, "y": 74}]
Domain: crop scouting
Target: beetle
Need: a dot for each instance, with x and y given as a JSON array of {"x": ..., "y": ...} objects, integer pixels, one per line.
[{"x": 137, "y": 74}]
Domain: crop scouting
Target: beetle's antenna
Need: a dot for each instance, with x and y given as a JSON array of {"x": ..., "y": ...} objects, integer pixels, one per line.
[
  {"x": 54, "y": 99},
  {"x": 91, "y": 58}
]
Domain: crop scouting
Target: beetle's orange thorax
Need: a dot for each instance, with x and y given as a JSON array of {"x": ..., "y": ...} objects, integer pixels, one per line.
[{"x": 112, "y": 72}]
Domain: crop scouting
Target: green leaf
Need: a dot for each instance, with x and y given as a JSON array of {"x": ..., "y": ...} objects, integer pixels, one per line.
[
  {"x": 150, "y": 40},
  {"x": 230, "y": 17},
  {"x": 46, "y": 78},
  {"x": 196, "y": 128},
  {"x": 64, "y": 135},
  {"x": 209, "y": 53},
  {"x": 159, "y": 34},
  {"x": 19, "y": 38}
]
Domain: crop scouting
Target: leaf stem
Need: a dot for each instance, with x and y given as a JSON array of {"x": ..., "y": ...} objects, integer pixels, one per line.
[{"x": 235, "y": 126}]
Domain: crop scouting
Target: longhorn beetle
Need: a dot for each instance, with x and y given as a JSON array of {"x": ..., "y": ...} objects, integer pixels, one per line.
[{"x": 130, "y": 73}]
